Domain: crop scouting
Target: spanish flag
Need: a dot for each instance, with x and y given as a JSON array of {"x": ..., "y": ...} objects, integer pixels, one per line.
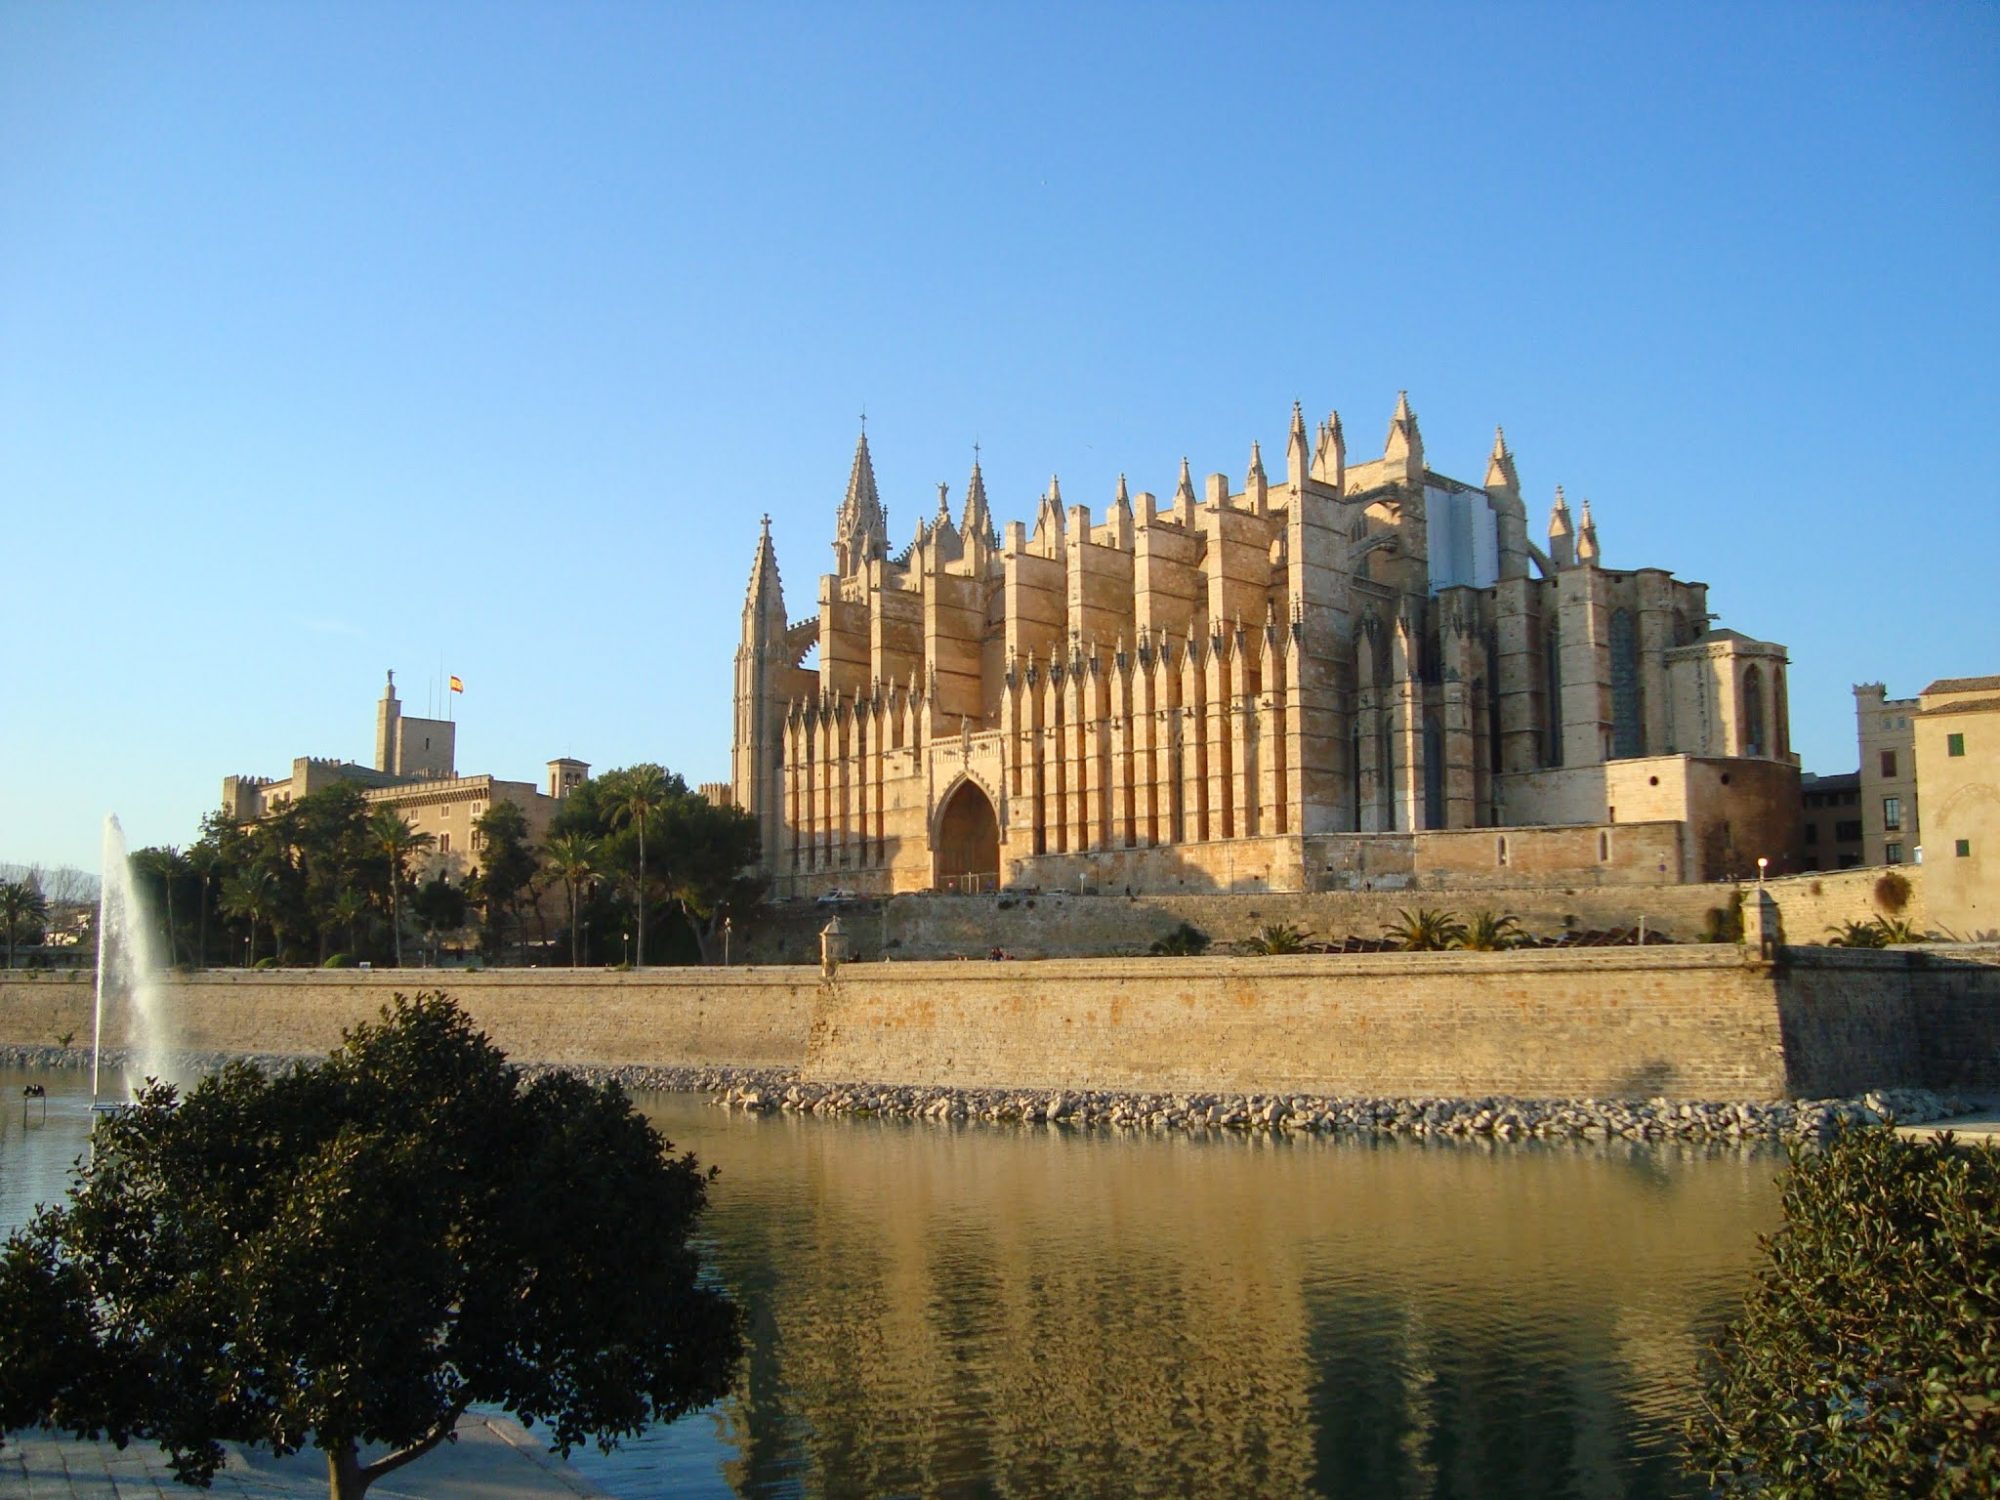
[{"x": 457, "y": 686}]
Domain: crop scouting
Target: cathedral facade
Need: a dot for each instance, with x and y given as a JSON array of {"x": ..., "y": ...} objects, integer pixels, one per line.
[{"x": 1361, "y": 673}]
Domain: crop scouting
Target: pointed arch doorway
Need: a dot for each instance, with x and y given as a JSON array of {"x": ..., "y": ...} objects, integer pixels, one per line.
[{"x": 967, "y": 847}]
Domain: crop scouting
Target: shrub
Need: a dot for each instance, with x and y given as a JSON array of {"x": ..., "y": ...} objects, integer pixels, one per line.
[
  {"x": 266, "y": 962},
  {"x": 337, "y": 961},
  {"x": 1865, "y": 1360},
  {"x": 1185, "y": 941},
  {"x": 1892, "y": 892},
  {"x": 1724, "y": 924}
]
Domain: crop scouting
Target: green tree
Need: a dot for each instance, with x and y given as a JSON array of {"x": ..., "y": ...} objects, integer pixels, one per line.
[
  {"x": 635, "y": 796},
  {"x": 570, "y": 857},
  {"x": 439, "y": 905},
  {"x": 394, "y": 841},
  {"x": 1865, "y": 1360},
  {"x": 708, "y": 854},
  {"x": 206, "y": 861},
  {"x": 1425, "y": 930},
  {"x": 506, "y": 864},
  {"x": 526, "y": 1246},
  {"x": 23, "y": 909},
  {"x": 161, "y": 868},
  {"x": 251, "y": 896},
  {"x": 349, "y": 907}
]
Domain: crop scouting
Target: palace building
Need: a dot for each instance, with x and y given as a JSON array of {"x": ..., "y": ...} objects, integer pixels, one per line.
[{"x": 1361, "y": 673}]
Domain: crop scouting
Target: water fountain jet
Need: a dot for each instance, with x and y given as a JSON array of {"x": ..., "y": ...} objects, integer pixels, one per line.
[{"x": 126, "y": 967}]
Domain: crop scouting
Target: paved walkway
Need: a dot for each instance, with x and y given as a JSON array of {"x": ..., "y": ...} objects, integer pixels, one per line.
[
  {"x": 493, "y": 1459},
  {"x": 1981, "y": 1127}
]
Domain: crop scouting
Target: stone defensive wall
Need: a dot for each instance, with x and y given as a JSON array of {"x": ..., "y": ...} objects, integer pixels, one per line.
[
  {"x": 1690, "y": 1021},
  {"x": 1059, "y": 923}
]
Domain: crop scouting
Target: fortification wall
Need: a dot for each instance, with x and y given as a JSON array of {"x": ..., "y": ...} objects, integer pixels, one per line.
[
  {"x": 1060, "y": 923},
  {"x": 1812, "y": 904},
  {"x": 1696, "y": 1022},
  {"x": 1688, "y": 1021},
  {"x": 746, "y": 1017}
]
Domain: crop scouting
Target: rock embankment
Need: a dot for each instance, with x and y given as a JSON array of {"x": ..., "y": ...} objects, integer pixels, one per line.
[
  {"x": 765, "y": 1091},
  {"x": 1496, "y": 1118}
]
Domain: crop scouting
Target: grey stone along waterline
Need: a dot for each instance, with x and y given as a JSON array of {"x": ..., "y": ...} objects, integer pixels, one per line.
[{"x": 1491, "y": 1117}]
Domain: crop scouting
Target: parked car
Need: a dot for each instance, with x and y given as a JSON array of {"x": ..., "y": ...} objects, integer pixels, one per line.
[{"x": 835, "y": 897}]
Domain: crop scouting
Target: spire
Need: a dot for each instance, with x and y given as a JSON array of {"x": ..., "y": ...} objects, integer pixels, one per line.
[
  {"x": 1405, "y": 448},
  {"x": 1330, "y": 460},
  {"x": 1184, "y": 491},
  {"x": 1586, "y": 537},
  {"x": 978, "y": 520},
  {"x": 1500, "y": 472},
  {"x": 1124, "y": 496},
  {"x": 764, "y": 600},
  {"x": 861, "y": 531},
  {"x": 1256, "y": 460},
  {"x": 1256, "y": 487},
  {"x": 1562, "y": 537},
  {"x": 1298, "y": 462}
]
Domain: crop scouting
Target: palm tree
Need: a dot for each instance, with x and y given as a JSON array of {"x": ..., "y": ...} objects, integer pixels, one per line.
[
  {"x": 570, "y": 857},
  {"x": 1489, "y": 932},
  {"x": 395, "y": 840},
  {"x": 1854, "y": 935},
  {"x": 250, "y": 895},
  {"x": 634, "y": 795},
  {"x": 22, "y": 906},
  {"x": 1279, "y": 937},
  {"x": 204, "y": 860},
  {"x": 1425, "y": 930},
  {"x": 349, "y": 907}
]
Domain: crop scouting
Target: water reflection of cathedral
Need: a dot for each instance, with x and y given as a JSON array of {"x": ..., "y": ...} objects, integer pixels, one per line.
[
  {"x": 980, "y": 1312},
  {"x": 1239, "y": 687}
]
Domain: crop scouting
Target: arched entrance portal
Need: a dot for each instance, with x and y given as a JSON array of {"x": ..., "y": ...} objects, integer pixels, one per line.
[{"x": 968, "y": 842}]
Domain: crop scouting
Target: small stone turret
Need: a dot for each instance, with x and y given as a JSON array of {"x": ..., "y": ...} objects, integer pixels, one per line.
[
  {"x": 1586, "y": 538},
  {"x": 1503, "y": 493},
  {"x": 1298, "y": 463},
  {"x": 1403, "y": 453},
  {"x": 1562, "y": 536}
]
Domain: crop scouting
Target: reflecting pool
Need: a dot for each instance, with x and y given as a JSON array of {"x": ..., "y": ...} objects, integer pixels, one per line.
[{"x": 1035, "y": 1311}]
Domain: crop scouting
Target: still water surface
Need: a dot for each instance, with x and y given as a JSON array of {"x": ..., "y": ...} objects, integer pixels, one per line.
[{"x": 1039, "y": 1312}]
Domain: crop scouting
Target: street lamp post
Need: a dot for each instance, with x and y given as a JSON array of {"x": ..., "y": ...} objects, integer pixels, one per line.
[
  {"x": 727, "y": 924},
  {"x": 1762, "y": 863},
  {"x": 627, "y": 960}
]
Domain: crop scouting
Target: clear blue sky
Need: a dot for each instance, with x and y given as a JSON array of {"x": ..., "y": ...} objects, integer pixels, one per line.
[{"x": 477, "y": 337}]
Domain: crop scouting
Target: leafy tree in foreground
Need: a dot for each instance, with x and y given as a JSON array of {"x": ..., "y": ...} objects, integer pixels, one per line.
[
  {"x": 354, "y": 1252},
  {"x": 1866, "y": 1360}
]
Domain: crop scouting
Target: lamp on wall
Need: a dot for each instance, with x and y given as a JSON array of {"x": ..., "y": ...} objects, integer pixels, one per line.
[{"x": 1762, "y": 862}]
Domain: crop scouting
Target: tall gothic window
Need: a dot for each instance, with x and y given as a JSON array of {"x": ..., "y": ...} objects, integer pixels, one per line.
[
  {"x": 1628, "y": 730},
  {"x": 1552, "y": 664},
  {"x": 1753, "y": 710}
]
